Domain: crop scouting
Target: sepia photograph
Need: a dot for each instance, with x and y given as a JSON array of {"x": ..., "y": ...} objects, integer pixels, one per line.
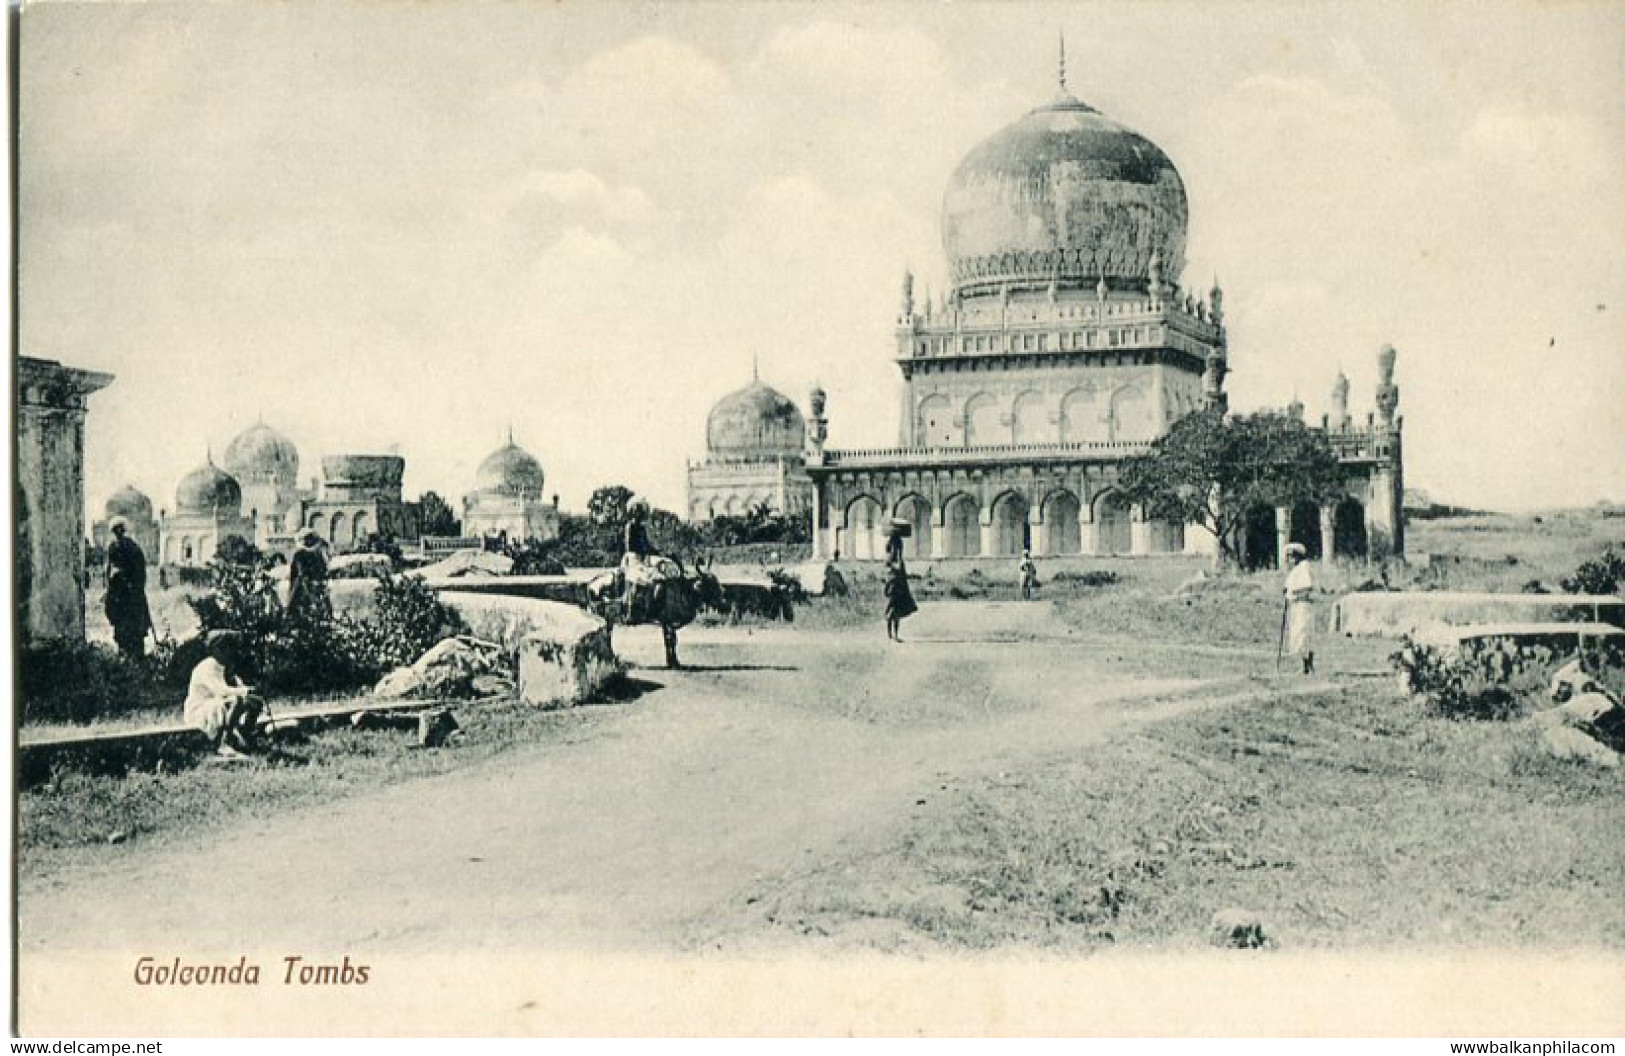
[{"x": 638, "y": 518}]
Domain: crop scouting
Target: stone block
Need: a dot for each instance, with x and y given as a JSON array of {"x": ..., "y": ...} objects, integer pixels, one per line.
[
  {"x": 562, "y": 654},
  {"x": 1395, "y": 613}
]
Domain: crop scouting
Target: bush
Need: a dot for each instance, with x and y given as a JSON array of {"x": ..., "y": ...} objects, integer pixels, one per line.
[
  {"x": 1086, "y": 579},
  {"x": 408, "y": 619},
  {"x": 1600, "y": 575},
  {"x": 61, "y": 680},
  {"x": 1450, "y": 688}
]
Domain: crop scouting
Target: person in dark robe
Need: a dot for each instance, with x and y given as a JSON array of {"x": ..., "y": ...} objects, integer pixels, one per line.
[
  {"x": 642, "y": 567},
  {"x": 126, "y": 601},
  {"x": 899, "y": 599},
  {"x": 307, "y": 581}
]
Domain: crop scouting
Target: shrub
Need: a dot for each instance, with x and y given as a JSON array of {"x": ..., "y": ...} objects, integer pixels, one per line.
[
  {"x": 62, "y": 680},
  {"x": 1450, "y": 688},
  {"x": 1099, "y": 578},
  {"x": 1600, "y": 575},
  {"x": 788, "y": 584},
  {"x": 408, "y": 619}
]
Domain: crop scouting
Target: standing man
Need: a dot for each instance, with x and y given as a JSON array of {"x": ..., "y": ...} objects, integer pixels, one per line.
[
  {"x": 1029, "y": 575},
  {"x": 307, "y": 581},
  {"x": 1300, "y": 606},
  {"x": 126, "y": 601}
]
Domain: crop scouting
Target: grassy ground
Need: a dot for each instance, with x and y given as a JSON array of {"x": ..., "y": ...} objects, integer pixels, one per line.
[
  {"x": 69, "y": 818},
  {"x": 1344, "y": 818}
]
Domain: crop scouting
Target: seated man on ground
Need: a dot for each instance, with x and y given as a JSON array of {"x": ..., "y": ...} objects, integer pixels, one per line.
[{"x": 217, "y": 700}]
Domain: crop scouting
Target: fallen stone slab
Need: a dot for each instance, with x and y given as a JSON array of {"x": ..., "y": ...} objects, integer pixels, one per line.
[
  {"x": 1394, "y": 614},
  {"x": 449, "y": 669},
  {"x": 1564, "y": 637},
  {"x": 561, "y": 653}
]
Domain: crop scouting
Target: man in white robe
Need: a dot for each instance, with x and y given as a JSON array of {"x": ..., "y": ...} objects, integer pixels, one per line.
[{"x": 1300, "y": 606}]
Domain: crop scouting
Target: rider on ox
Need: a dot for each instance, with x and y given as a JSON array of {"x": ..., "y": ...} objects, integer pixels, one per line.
[{"x": 642, "y": 568}]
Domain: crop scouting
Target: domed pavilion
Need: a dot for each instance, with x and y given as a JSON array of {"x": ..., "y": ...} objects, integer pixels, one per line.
[
  {"x": 756, "y": 452},
  {"x": 265, "y": 465},
  {"x": 507, "y": 497},
  {"x": 1064, "y": 345},
  {"x": 208, "y": 508}
]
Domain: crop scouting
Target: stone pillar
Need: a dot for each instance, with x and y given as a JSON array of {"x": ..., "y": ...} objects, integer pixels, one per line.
[
  {"x": 1088, "y": 531},
  {"x": 989, "y": 539},
  {"x": 1283, "y": 534},
  {"x": 50, "y": 496},
  {"x": 939, "y": 532},
  {"x": 1140, "y": 541},
  {"x": 820, "y": 544},
  {"x": 1328, "y": 535}
]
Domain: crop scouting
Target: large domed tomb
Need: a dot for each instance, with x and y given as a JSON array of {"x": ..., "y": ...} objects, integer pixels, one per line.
[
  {"x": 755, "y": 424},
  {"x": 755, "y": 444},
  {"x": 1064, "y": 195},
  {"x": 507, "y": 498}
]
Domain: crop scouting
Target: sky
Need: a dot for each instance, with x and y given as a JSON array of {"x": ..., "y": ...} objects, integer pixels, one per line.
[{"x": 411, "y": 227}]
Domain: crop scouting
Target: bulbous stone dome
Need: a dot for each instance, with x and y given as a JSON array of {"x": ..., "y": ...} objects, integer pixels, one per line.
[
  {"x": 1064, "y": 194},
  {"x": 206, "y": 490},
  {"x": 261, "y": 454},
  {"x": 510, "y": 470},
  {"x": 756, "y": 422},
  {"x": 128, "y": 503}
]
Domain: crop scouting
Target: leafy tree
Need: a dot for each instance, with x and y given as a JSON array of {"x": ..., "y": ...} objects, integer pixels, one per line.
[
  {"x": 608, "y": 505},
  {"x": 1599, "y": 575},
  {"x": 235, "y": 550},
  {"x": 438, "y": 518},
  {"x": 1209, "y": 470}
]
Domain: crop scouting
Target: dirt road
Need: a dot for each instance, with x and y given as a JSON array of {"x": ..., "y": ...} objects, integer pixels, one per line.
[{"x": 780, "y": 749}]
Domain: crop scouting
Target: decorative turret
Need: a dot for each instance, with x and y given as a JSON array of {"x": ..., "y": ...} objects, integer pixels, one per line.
[
  {"x": 1294, "y": 410},
  {"x": 1387, "y": 391},
  {"x": 1340, "y": 419},
  {"x": 1216, "y": 299},
  {"x": 820, "y": 424},
  {"x": 905, "y": 313}
]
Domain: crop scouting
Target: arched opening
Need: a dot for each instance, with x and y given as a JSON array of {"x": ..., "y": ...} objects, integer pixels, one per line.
[
  {"x": 336, "y": 532},
  {"x": 917, "y": 512},
  {"x": 1258, "y": 539},
  {"x": 1167, "y": 537},
  {"x": 1080, "y": 417},
  {"x": 935, "y": 422},
  {"x": 982, "y": 421},
  {"x": 317, "y": 525},
  {"x": 1306, "y": 528},
  {"x": 358, "y": 528},
  {"x": 962, "y": 528},
  {"x": 1061, "y": 527},
  {"x": 1030, "y": 424},
  {"x": 862, "y": 529},
  {"x": 1130, "y": 417},
  {"x": 1114, "y": 531},
  {"x": 1348, "y": 530},
  {"x": 1010, "y": 528}
]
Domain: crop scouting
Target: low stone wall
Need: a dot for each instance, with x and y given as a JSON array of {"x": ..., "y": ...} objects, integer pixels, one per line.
[
  {"x": 562, "y": 653},
  {"x": 1394, "y": 614},
  {"x": 569, "y": 589}
]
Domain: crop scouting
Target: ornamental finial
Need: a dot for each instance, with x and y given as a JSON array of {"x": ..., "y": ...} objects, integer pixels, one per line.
[
  {"x": 1061, "y": 67},
  {"x": 755, "y": 366}
]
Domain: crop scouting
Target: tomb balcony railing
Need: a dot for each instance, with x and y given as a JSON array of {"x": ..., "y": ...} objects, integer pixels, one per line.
[{"x": 948, "y": 456}]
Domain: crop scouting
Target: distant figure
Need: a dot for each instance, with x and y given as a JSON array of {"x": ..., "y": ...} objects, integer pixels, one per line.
[
  {"x": 899, "y": 599},
  {"x": 1300, "y": 606},
  {"x": 126, "y": 601},
  {"x": 1029, "y": 575},
  {"x": 642, "y": 567},
  {"x": 217, "y": 700},
  {"x": 307, "y": 581}
]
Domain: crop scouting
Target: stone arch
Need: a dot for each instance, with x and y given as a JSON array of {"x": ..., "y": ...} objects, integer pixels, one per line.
[
  {"x": 188, "y": 550},
  {"x": 1029, "y": 422},
  {"x": 1130, "y": 415},
  {"x": 317, "y": 525},
  {"x": 916, "y": 510},
  {"x": 863, "y": 529},
  {"x": 1114, "y": 528},
  {"x": 358, "y": 527},
  {"x": 731, "y": 507},
  {"x": 1010, "y": 528},
  {"x": 335, "y": 533},
  {"x": 1306, "y": 529},
  {"x": 961, "y": 526},
  {"x": 1080, "y": 416},
  {"x": 934, "y": 422},
  {"x": 1348, "y": 530},
  {"x": 981, "y": 420},
  {"x": 1258, "y": 549},
  {"x": 1062, "y": 529}
]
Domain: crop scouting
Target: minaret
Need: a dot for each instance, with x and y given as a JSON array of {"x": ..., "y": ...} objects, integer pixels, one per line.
[
  {"x": 1340, "y": 403},
  {"x": 1154, "y": 285},
  {"x": 905, "y": 312},
  {"x": 1216, "y": 299},
  {"x": 1213, "y": 382},
  {"x": 1387, "y": 391},
  {"x": 820, "y": 424}
]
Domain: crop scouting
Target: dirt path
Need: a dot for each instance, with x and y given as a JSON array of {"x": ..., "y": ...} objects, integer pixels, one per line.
[{"x": 781, "y": 749}]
